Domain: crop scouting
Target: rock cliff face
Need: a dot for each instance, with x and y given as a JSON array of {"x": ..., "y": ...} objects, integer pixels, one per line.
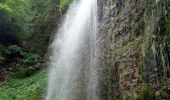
[{"x": 134, "y": 40}]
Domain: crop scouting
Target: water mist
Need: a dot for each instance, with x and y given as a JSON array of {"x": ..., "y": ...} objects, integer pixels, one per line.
[{"x": 73, "y": 64}]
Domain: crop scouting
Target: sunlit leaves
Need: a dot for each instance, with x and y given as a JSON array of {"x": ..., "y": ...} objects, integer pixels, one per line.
[
  {"x": 5, "y": 8},
  {"x": 64, "y": 3}
]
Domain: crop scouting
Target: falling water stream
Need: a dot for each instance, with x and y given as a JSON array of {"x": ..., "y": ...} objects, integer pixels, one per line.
[{"x": 73, "y": 64}]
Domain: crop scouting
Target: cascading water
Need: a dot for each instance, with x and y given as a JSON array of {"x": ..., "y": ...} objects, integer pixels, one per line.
[{"x": 73, "y": 72}]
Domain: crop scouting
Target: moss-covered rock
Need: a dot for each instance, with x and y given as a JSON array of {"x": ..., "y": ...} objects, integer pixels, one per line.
[{"x": 134, "y": 47}]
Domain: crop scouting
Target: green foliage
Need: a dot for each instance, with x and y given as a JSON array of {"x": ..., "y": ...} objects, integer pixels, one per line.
[
  {"x": 28, "y": 23},
  {"x": 12, "y": 20},
  {"x": 24, "y": 71},
  {"x": 13, "y": 49},
  {"x": 37, "y": 26},
  {"x": 14, "y": 8},
  {"x": 22, "y": 23},
  {"x": 25, "y": 59},
  {"x": 29, "y": 57},
  {"x": 1, "y": 1},
  {"x": 145, "y": 94},
  {"x": 5, "y": 8},
  {"x": 64, "y": 4},
  {"x": 30, "y": 88}
]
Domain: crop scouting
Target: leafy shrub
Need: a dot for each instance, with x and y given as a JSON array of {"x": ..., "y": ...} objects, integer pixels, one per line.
[
  {"x": 29, "y": 88},
  {"x": 64, "y": 4},
  {"x": 5, "y": 8},
  {"x": 24, "y": 71},
  {"x": 13, "y": 49},
  {"x": 29, "y": 57},
  {"x": 26, "y": 60},
  {"x": 23, "y": 56}
]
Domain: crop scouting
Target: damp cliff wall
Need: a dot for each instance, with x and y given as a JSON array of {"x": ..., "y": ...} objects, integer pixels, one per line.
[{"x": 134, "y": 38}]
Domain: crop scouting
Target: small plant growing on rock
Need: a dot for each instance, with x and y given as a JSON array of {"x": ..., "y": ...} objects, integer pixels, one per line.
[{"x": 145, "y": 94}]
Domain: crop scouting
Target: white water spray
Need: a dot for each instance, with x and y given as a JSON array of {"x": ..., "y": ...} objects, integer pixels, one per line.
[{"x": 73, "y": 74}]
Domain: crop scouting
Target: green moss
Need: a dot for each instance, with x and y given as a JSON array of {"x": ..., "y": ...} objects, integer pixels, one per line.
[
  {"x": 145, "y": 94},
  {"x": 30, "y": 88},
  {"x": 145, "y": 68}
]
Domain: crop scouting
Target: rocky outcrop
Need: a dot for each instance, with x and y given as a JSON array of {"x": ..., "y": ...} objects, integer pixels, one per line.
[{"x": 134, "y": 49}]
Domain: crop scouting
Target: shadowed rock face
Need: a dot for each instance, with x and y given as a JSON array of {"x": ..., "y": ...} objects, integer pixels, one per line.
[{"x": 133, "y": 34}]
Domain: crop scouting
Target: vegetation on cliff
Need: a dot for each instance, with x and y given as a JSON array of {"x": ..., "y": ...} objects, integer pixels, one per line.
[{"x": 135, "y": 47}]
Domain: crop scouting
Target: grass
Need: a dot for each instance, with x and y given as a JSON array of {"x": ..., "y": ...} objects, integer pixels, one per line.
[{"x": 30, "y": 88}]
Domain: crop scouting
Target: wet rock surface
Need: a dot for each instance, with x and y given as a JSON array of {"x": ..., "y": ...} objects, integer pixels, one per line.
[{"x": 129, "y": 60}]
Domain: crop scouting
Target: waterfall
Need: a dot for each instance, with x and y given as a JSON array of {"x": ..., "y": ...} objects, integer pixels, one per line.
[{"x": 73, "y": 64}]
